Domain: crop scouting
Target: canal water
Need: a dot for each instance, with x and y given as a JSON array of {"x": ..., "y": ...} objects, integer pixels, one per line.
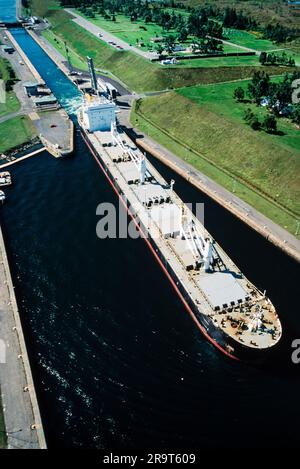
[
  {"x": 116, "y": 359},
  {"x": 8, "y": 11}
]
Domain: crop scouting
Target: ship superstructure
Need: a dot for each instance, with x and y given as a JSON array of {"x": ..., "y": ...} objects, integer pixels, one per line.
[{"x": 230, "y": 311}]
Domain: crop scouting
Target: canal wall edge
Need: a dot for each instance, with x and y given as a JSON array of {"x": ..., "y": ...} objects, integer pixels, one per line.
[
  {"x": 38, "y": 426},
  {"x": 295, "y": 254}
]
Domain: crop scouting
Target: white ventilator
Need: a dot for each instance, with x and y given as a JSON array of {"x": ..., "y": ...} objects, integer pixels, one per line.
[
  {"x": 207, "y": 255},
  {"x": 142, "y": 169}
]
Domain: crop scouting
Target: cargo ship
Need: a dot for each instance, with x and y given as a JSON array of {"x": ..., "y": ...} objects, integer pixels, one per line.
[{"x": 233, "y": 314}]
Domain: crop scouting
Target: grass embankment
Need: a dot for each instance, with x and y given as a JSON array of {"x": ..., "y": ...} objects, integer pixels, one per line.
[
  {"x": 14, "y": 132},
  {"x": 76, "y": 60},
  {"x": 41, "y": 7},
  {"x": 262, "y": 169},
  {"x": 2, "y": 428},
  {"x": 255, "y": 41},
  {"x": 11, "y": 103},
  {"x": 138, "y": 73},
  {"x": 139, "y": 32}
]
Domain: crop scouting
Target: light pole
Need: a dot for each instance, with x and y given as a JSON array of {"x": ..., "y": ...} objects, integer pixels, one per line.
[{"x": 234, "y": 185}]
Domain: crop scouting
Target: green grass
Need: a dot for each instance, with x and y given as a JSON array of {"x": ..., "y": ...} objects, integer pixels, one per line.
[
  {"x": 41, "y": 7},
  {"x": 214, "y": 62},
  {"x": 248, "y": 39},
  {"x": 11, "y": 104},
  {"x": 139, "y": 74},
  {"x": 76, "y": 60},
  {"x": 210, "y": 135},
  {"x": 14, "y": 132},
  {"x": 2, "y": 428},
  {"x": 128, "y": 31},
  {"x": 219, "y": 99},
  {"x": 132, "y": 33},
  {"x": 254, "y": 41}
]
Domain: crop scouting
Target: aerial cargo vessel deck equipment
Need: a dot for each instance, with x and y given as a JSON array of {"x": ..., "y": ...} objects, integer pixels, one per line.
[{"x": 232, "y": 313}]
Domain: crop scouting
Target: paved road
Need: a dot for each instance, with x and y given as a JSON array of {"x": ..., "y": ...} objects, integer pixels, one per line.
[
  {"x": 246, "y": 212},
  {"x": 92, "y": 28}
]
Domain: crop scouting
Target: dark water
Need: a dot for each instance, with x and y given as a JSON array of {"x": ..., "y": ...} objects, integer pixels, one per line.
[
  {"x": 8, "y": 11},
  {"x": 116, "y": 359}
]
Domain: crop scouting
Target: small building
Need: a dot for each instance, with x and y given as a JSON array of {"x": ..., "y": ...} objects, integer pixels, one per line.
[
  {"x": 45, "y": 101},
  {"x": 98, "y": 115},
  {"x": 172, "y": 61},
  {"x": 179, "y": 48},
  {"x": 7, "y": 49},
  {"x": 31, "y": 88},
  {"x": 157, "y": 39}
]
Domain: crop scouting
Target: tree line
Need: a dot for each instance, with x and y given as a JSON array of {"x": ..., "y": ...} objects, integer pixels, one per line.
[
  {"x": 277, "y": 97},
  {"x": 276, "y": 59},
  {"x": 200, "y": 21}
]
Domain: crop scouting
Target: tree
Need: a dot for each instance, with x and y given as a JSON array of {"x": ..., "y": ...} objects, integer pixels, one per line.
[
  {"x": 183, "y": 34},
  {"x": 159, "y": 49},
  {"x": 296, "y": 114},
  {"x": 251, "y": 119},
  {"x": 259, "y": 86},
  {"x": 263, "y": 58},
  {"x": 170, "y": 44},
  {"x": 270, "y": 123},
  {"x": 239, "y": 94}
]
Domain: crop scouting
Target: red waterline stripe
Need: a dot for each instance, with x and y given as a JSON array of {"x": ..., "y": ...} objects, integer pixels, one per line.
[{"x": 188, "y": 308}]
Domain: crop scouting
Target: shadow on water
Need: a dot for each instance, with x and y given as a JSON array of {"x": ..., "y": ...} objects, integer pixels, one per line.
[{"x": 117, "y": 361}]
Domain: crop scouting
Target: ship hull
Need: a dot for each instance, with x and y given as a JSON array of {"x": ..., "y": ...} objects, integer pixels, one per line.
[{"x": 213, "y": 334}]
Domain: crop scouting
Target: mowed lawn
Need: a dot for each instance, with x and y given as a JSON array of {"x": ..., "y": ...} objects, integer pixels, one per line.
[
  {"x": 133, "y": 32},
  {"x": 241, "y": 61},
  {"x": 254, "y": 41},
  {"x": 249, "y": 39},
  {"x": 206, "y": 119},
  {"x": 219, "y": 99},
  {"x": 14, "y": 132},
  {"x": 11, "y": 102},
  {"x": 56, "y": 42},
  {"x": 128, "y": 31},
  {"x": 136, "y": 72}
]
